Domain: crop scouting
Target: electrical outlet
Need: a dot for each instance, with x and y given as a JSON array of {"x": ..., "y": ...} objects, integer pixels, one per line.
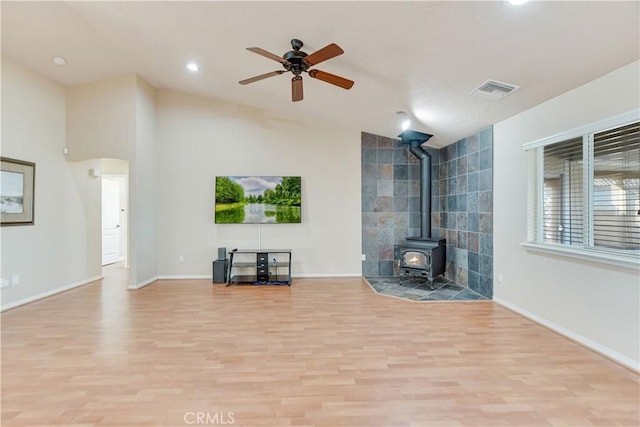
[
  {"x": 500, "y": 278},
  {"x": 181, "y": 258},
  {"x": 4, "y": 283},
  {"x": 364, "y": 257},
  {"x": 15, "y": 280}
]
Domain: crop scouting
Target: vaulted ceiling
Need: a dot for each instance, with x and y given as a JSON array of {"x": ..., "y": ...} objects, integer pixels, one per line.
[{"x": 423, "y": 57}]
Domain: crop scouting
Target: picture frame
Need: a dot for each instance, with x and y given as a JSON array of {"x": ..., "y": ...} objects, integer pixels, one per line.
[
  {"x": 17, "y": 190},
  {"x": 251, "y": 199}
]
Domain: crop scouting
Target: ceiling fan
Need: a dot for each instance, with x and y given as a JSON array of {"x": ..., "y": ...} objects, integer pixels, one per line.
[{"x": 298, "y": 62}]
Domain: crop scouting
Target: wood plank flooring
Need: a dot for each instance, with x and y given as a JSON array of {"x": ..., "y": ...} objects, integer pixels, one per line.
[{"x": 323, "y": 352}]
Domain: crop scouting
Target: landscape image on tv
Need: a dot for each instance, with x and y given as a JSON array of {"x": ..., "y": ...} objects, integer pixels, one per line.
[{"x": 258, "y": 200}]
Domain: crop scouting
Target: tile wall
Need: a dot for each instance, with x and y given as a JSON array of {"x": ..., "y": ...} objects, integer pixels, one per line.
[
  {"x": 466, "y": 220},
  {"x": 391, "y": 200},
  {"x": 462, "y": 205}
]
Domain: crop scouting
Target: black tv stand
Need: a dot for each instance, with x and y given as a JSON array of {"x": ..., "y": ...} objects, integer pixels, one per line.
[{"x": 259, "y": 267}]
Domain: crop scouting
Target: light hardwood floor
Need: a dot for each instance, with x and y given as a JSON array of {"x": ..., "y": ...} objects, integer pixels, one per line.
[{"x": 324, "y": 352}]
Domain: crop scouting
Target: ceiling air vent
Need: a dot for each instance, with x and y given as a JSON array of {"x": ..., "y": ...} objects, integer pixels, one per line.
[{"x": 494, "y": 89}]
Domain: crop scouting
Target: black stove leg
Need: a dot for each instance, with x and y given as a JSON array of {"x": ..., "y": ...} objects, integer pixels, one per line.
[
  {"x": 402, "y": 282},
  {"x": 430, "y": 284}
]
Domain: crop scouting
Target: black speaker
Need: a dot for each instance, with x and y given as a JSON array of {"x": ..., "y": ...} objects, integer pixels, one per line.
[
  {"x": 219, "y": 271},
  {"x": 222, "y": 254}
]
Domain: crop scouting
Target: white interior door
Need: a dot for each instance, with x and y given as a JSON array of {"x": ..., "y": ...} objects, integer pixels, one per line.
[{"x": 110, "y": 221}]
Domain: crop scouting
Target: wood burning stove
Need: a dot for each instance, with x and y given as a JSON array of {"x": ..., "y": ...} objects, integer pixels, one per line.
[{"x": 422, "y": 256}]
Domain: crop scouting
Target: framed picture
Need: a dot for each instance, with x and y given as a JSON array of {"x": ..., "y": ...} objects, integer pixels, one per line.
[
  {"x": 258, "y": 200},
  {"x": 17, "y": 186}
]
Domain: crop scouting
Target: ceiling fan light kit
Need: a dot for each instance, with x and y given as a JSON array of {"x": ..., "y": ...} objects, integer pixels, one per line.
[{"x": 298, "y": 62}]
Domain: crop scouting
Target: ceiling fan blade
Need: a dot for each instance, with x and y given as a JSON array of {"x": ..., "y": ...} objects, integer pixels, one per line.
[
  {"x": 331, "y": 78},
  {"x": 330, "y": 51},
  {"x": 266, "y": 54},
  {"x": 260, "y": 77},
  {"x": 296, "y": 88}
]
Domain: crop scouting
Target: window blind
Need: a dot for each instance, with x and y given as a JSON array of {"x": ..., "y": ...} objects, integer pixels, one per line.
[
  {"x": 616, "y": 188},
  {"x": 563, "y": 192},
  {"x": 533, "y": 204}
]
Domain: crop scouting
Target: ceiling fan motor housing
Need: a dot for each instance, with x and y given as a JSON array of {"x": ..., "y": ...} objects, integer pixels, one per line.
[{"x": 295, "y": 59}]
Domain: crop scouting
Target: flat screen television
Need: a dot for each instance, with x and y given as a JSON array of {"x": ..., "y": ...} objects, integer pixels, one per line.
[{"x": 258, "y": 200}]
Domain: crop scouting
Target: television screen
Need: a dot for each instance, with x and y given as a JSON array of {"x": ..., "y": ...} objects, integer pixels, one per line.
[{"x": 258, "y": 200}]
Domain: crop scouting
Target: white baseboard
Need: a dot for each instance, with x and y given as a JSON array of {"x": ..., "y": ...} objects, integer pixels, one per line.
[
  {"x": 143, "y": 284},
  {"x": 184, "y": 277},
  {"x": 597, "y": 347},
  {"x": 295, "y": 276},
  {"x": 320, "y": 275},
  {"x": 51, "y": 292}
]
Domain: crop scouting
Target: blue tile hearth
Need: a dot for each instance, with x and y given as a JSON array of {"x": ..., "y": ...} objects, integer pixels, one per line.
[{"x": 418, "y": 289}]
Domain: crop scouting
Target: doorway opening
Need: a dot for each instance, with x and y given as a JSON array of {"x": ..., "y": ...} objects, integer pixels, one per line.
[{"x": 115, "y": 213}]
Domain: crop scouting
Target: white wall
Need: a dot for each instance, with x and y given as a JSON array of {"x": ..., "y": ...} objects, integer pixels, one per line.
[
  {"x": 62, "y": 249},
  {"x": 101, "y": 119},
  {"x": 200, "y": 139},
  {"x": 596, "y": 303},
  {"x": 143, "y": 217},
  {"x": 115, "y": 119},
  {"x": 115, "y": 167}
]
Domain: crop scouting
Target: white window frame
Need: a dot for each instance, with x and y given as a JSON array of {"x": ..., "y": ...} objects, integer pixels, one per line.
[{"x": 535, "y": 197}]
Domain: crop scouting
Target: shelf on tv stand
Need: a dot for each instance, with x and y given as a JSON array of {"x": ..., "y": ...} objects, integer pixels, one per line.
[{"x": 261, "y": 267}]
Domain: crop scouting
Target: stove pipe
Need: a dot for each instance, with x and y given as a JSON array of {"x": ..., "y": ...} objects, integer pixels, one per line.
[{"x": 415, "y": 140}]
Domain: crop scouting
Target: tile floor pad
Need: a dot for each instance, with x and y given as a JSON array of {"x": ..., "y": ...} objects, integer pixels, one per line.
[{"x": 417, "y": 289}]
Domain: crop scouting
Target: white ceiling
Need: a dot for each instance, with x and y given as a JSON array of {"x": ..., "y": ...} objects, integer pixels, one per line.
[{"x": 424, "y": 57}]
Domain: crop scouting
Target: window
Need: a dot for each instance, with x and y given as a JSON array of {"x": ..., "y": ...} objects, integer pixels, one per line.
[
  {"x": 616, "y": 188},
  {"x": 563, "y": 204},
  {"x": 584, "y": 189}
]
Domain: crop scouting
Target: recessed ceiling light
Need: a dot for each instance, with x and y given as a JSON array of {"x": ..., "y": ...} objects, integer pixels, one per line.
[
  {"x": 59, "y": 60},
  {"x": 192, "y": 66}
]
